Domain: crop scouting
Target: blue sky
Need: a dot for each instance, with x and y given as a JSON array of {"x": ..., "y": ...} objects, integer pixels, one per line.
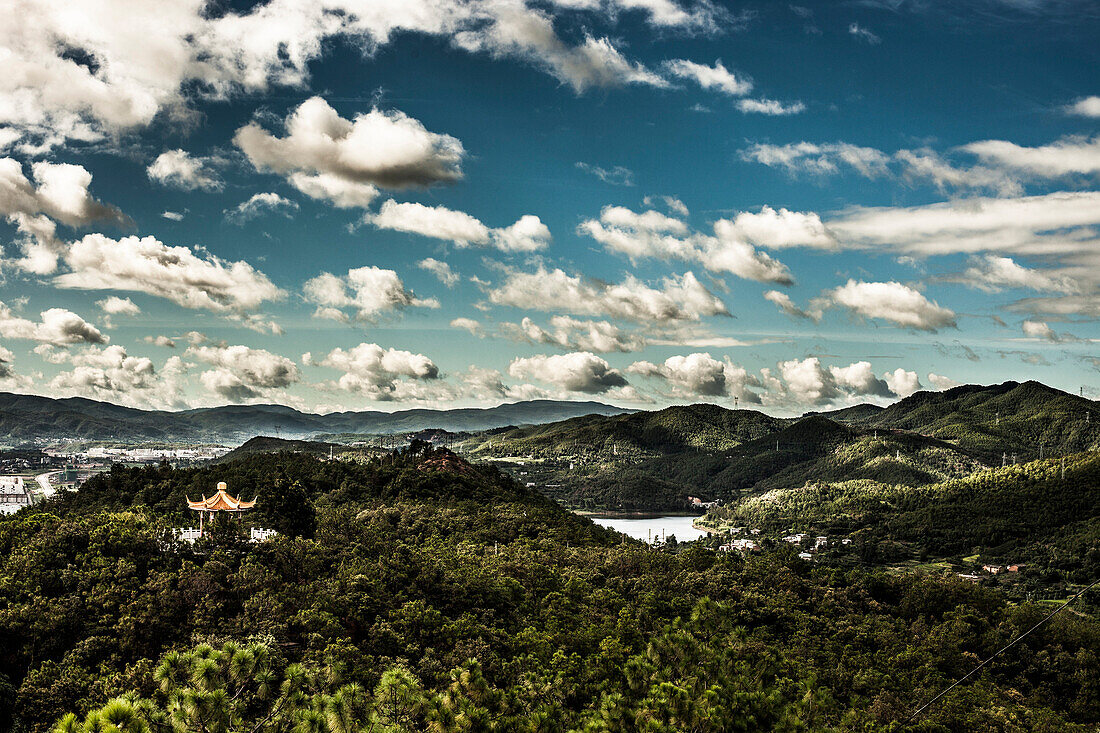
[{"x": 389, "y": 203}]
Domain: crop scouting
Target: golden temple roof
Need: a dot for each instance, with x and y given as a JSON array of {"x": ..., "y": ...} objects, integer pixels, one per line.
[{"x": 220, "y": 502}]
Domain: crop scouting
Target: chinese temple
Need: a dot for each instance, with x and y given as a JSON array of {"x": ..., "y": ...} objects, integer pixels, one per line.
[{"x": 221, "y": 501}]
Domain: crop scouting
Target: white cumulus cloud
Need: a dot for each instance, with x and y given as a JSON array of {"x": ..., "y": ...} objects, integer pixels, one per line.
[
  {"x": 680, "y": 298},
  {"x": 146, "y": 265},
  {"x": 902, "y": 382},
  {"x": 179, "y": 169},
  {"x": 717, "y": 77},
  {"x": 894, "y": 302},
  {"x": 1085, "y": 107},
  {"x": 58, "y": 193},
  {"x": 386, "y": 149},
  {"x": 117, "y": 306},
  {"x": 241, "y": 373},
  {"x": 369, "y": 291},
  {"x": 441, "y": 270},
  {"x": 381, "y": 374},
  {"x": 528, "y": 234},
  {"x": 700, "y": 375},
  {"x": 658, "y": 235},
  {"x": 56, "y": 326},
  {"x": 259, "y": 204},
  {"x": 993, "y": 273},
  {"x": 575, "y": 334},
  {"x": 771, "y": 107},
  {"x": 575, "y": 372}
]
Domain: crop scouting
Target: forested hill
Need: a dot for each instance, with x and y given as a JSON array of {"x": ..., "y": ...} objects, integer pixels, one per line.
[
  {"x": 415, "y": 592},
  {"x": 267, "y": 444},
  {"x": 684, "y": 427},
  {"x": 1022, "y": 418},
  {"x": 653, "y": 461},
  {"x": 30, "y": 417},
  {"x": 1044, "y": 512}
]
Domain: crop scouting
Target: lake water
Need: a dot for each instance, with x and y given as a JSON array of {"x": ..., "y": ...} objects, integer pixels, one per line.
[{"x": 651, "y": 528}]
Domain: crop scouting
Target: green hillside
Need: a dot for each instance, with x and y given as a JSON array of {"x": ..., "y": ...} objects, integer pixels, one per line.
[
  {"x": 688, "y": 427},
  {"x": 1006, "y": 418},
  {"x": 1043, "y": 514},
  {"x": 816, "y": 448},
  {"x": 654, "y": 461},
  {"x": 267, "y": 444}
]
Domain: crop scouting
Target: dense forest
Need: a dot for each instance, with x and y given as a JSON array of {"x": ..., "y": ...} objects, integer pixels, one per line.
[
  {"x": 417, "y": 592},
  {"x": 1042, "y": 516}
]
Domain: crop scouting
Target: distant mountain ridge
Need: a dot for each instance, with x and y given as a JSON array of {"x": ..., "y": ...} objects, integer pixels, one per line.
[
  {"x": 1026, "y": 419},
  {"x": 32, "y": 417}
]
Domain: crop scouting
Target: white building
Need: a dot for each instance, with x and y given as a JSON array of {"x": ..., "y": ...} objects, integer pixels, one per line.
[
  {"x": 739, "y": 546},
  {"x": 13, "y": 494}
]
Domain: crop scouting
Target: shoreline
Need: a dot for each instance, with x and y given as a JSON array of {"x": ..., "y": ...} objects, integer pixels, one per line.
[
  {"x": 646, "y": 515},
  {"x": 630, "y": 515},
  {"x": 708, "y": 530}
]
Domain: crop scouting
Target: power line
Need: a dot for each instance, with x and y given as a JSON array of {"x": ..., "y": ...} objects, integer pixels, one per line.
[{"x": 1000, "y": 651}]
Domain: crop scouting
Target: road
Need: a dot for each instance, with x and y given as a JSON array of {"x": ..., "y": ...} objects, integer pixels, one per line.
[{"x": 43, "y": 480}]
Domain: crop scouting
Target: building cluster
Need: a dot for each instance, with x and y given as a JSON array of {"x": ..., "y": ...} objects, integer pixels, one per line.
[
  {"x": 810, "y": 544},
  {"x": 741, "y": 544},
  {"x": 14, "y": 494},
  {"x": 813, "y": 544},
  {"x": 145, "y": 455},
  {"x": 23, "y": 461},
  {"x": 990, "y": 569}
]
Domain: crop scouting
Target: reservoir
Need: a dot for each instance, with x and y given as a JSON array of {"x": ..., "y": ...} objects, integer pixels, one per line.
[{"x": 651, "y": 528}]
